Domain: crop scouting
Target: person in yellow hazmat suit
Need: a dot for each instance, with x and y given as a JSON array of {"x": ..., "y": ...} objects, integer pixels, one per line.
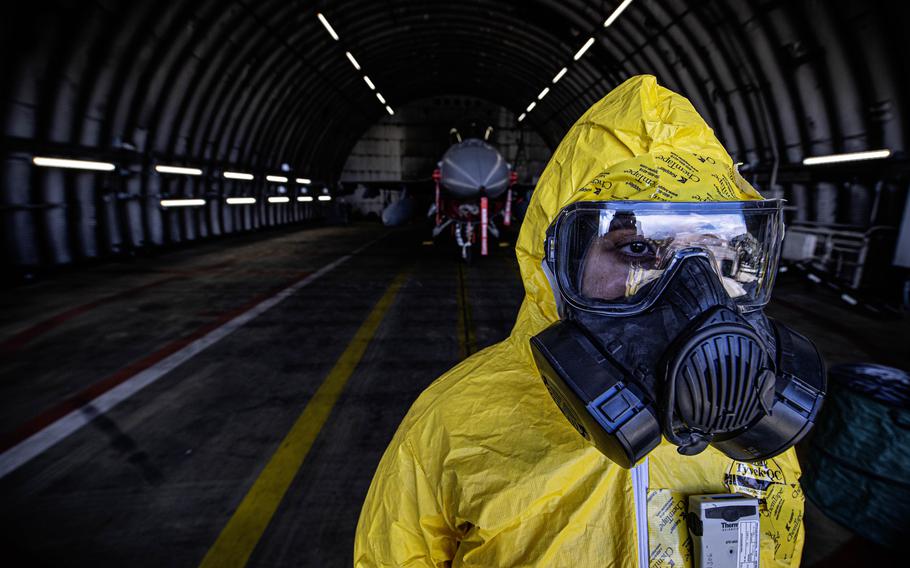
[{"x": 646, "y": 259}]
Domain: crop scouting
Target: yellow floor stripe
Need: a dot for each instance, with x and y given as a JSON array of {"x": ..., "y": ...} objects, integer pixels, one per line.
[
  {"x": 467, "y": 341},
  {"x": 239, "y": 537}
]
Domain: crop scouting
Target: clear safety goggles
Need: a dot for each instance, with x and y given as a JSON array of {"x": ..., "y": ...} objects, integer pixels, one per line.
[{"x": 616, "y": 257}]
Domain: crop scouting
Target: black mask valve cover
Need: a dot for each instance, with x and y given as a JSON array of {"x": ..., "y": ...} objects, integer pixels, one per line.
[{"x": 720, "y": 380}]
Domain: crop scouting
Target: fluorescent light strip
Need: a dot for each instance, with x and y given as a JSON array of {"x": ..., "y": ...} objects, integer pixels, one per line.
[
  {"x": 240, "y": 200},
  {"x": 182, "y": 202},
  {"x": 352, "y": 60},
  {"x": 238, "y": 175},
  {"x": 584, "y": 48},
  {"x": 328, "y": 27},
  {"x": 73, "y": 164},
  {"x": 849, "y": 157},
  {"x": 369, "y": 83},
  {"x": 389, "y": 110},
  {"x": 578, "y": 55},
  {"x": 304, "y": 181},
  {"x": 279, "y": 199},
  {"x": 325, "y": 198},
  {"x": 305, "y": 198},
  {"x": 178, "y": 170},
  {"x": 277, "y": 179},
  {"x": 380, "y": 97},
  {"x": 616, "y": 13}
]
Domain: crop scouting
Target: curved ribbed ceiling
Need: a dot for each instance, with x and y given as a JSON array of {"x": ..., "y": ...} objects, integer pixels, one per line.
[{"x": 258, "y": 84}]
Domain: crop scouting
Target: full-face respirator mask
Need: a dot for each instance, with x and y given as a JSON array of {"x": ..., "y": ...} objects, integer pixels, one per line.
[{"x": 662, "y": 332}]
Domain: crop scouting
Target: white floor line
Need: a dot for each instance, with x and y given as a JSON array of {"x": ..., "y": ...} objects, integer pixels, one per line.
[{"x": 33, "y": 446}]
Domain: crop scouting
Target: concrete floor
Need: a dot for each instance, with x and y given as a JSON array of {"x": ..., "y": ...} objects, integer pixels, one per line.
[{"x": 155, "y": 480}]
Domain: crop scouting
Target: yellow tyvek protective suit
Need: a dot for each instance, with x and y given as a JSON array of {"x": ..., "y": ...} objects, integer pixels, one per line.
[{"x": 485, "y": 470}]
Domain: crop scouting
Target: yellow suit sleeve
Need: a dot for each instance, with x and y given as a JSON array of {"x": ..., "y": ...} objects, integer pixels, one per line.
[{"x": 403, "y": 522}]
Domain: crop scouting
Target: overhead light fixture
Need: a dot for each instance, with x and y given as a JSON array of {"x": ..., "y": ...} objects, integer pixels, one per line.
[
  {"x": 182, "y": 202},
  {"x": 305, "y": 198},
  {"x": 328, "y": 27},
  {"x": 848, "y": 157},
  {"x": 389, "y": 110},
  {"x": 619, "y": 9},
  {"x": 279, "y": 199},
  {"x": 369, "y": 83},
  {"x": 559, "y": 75},
  {"x": 584, "y": 48},
  {"x": 240, "y": 200},
  {"x": 380, "y": 97},
  {"x": 325, "y": 198},
  {"x": 238, "y": 175},
  {"x": 352, "y": 60},
  {"x": 73, "y": 164},
  {"x": 178, "y": 170},
  {"x": 276, "y": 179},
  {"x": 304, "y": 181},
  {"x": 578, "y": 55},
  {"x": 487, "y": 132}
]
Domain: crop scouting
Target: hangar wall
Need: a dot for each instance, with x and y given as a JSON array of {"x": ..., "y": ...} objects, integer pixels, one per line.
[
  {"x": 255, "y": 85},
  {"x": 408, "y": 145}
]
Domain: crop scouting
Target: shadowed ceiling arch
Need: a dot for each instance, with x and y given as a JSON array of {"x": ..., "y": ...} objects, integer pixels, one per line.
[
  {"x": 256, "y": 84},
  {"x": 262, "y": 83}
]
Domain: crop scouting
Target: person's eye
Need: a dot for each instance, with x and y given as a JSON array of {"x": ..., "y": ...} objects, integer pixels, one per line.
[{"x": 638, "y": 249}]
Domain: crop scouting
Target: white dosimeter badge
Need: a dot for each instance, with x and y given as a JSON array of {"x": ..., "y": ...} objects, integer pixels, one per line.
[{"x": 724, "y": 530}]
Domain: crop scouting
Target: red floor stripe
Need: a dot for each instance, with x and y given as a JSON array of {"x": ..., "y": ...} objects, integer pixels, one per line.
[
  {"x": 21, "y": 339},
  {"x": 97, "y": 389},
  {"x": 26, "y": 336}
]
